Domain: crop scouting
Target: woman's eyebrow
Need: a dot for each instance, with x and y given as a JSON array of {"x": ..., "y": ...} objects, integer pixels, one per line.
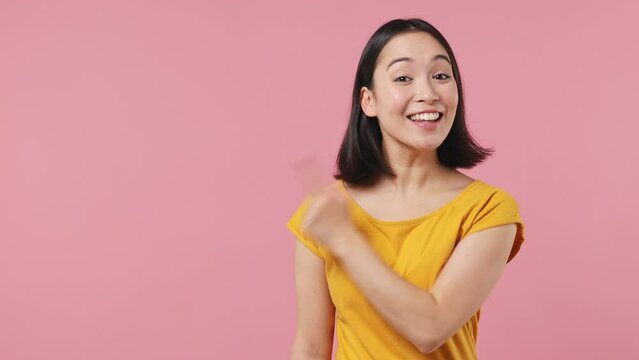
[{"x": 436, "y": 57}]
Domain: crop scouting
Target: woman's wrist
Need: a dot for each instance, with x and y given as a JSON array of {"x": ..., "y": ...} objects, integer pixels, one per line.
[{"x": 350, "y": 240}]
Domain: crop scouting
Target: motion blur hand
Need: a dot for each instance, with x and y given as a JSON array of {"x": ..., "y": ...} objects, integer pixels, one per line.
[{"x": 328, "y": 217}]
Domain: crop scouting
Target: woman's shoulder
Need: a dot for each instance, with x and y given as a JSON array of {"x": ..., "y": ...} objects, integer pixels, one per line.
[
  {"x": 489, "y": 187},
  {"x": 482, "y": 193}
]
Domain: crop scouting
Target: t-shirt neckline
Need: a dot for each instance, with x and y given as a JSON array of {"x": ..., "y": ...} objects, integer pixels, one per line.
[{"x": 413, "y": 220}]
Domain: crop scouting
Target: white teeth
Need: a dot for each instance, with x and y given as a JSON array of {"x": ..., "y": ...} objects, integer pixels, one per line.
[{"x": 426, "y": 116}]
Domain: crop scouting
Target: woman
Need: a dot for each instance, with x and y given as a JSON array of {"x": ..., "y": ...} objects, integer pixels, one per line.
[{"x": 402, "y": 250}]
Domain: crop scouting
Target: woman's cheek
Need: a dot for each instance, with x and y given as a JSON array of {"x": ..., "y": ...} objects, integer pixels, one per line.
[{"x": 395, "y": 95}]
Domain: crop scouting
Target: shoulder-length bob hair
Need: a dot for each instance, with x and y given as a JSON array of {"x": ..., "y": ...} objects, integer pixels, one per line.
[{"x": 360, "y": 159}]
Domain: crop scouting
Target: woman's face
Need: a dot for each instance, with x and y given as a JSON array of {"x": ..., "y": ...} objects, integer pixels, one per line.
[{"x": 412, "y": 75}]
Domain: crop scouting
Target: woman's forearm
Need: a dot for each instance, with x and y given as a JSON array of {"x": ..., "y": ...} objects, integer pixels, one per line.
[{"x": 410, "y": 310}]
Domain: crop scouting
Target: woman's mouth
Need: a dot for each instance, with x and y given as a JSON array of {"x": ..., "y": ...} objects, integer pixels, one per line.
[{"x": 426, "y": 120}]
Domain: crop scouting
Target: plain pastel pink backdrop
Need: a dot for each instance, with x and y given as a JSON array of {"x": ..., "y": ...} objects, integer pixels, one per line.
[{"x": 146, "y": 153}]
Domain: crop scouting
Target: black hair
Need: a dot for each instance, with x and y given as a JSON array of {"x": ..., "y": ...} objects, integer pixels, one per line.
[{"x": 360, "y": 159}]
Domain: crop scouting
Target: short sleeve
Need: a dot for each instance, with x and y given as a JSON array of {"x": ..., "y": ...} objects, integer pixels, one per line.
[
  {"x": 294, "y": 226},
  {"x": 499, "y": 208}
]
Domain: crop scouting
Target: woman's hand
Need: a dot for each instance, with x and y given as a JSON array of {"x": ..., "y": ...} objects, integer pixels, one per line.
[{"x": 328, "y": 218}]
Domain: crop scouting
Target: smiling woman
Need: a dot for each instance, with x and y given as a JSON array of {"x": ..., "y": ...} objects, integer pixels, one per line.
[{"x": 402, "y": 250}]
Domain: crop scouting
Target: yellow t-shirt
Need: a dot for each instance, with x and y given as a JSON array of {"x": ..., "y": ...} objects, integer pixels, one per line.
[{"x": 417, "y": 250}]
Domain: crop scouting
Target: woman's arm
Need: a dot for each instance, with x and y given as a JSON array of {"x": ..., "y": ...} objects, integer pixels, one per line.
[
  {"x": 429, "y": 318},
  {"x": 315, "y": 309}
]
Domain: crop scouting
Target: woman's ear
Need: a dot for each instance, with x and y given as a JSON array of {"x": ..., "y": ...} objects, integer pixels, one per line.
[{"x": 367, "y": 102}]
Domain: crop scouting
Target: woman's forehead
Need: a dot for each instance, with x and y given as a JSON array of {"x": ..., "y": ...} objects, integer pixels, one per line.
[{"x": 418, "y": 46}]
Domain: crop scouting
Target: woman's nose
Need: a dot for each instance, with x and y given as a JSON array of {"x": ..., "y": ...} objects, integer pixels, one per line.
[{"x": 427, "y": 93}]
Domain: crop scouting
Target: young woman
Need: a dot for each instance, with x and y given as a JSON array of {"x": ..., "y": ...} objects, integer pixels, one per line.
[{"x": 400, "y": 252}]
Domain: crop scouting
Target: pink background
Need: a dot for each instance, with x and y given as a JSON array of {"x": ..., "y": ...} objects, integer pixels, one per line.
[{"x": 146, "y": 152}]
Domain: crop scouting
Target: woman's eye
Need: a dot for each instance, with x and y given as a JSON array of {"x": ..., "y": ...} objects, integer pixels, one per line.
[
  {"x": 447, "y": 77},
  {"x": 402, "y": 77}
]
